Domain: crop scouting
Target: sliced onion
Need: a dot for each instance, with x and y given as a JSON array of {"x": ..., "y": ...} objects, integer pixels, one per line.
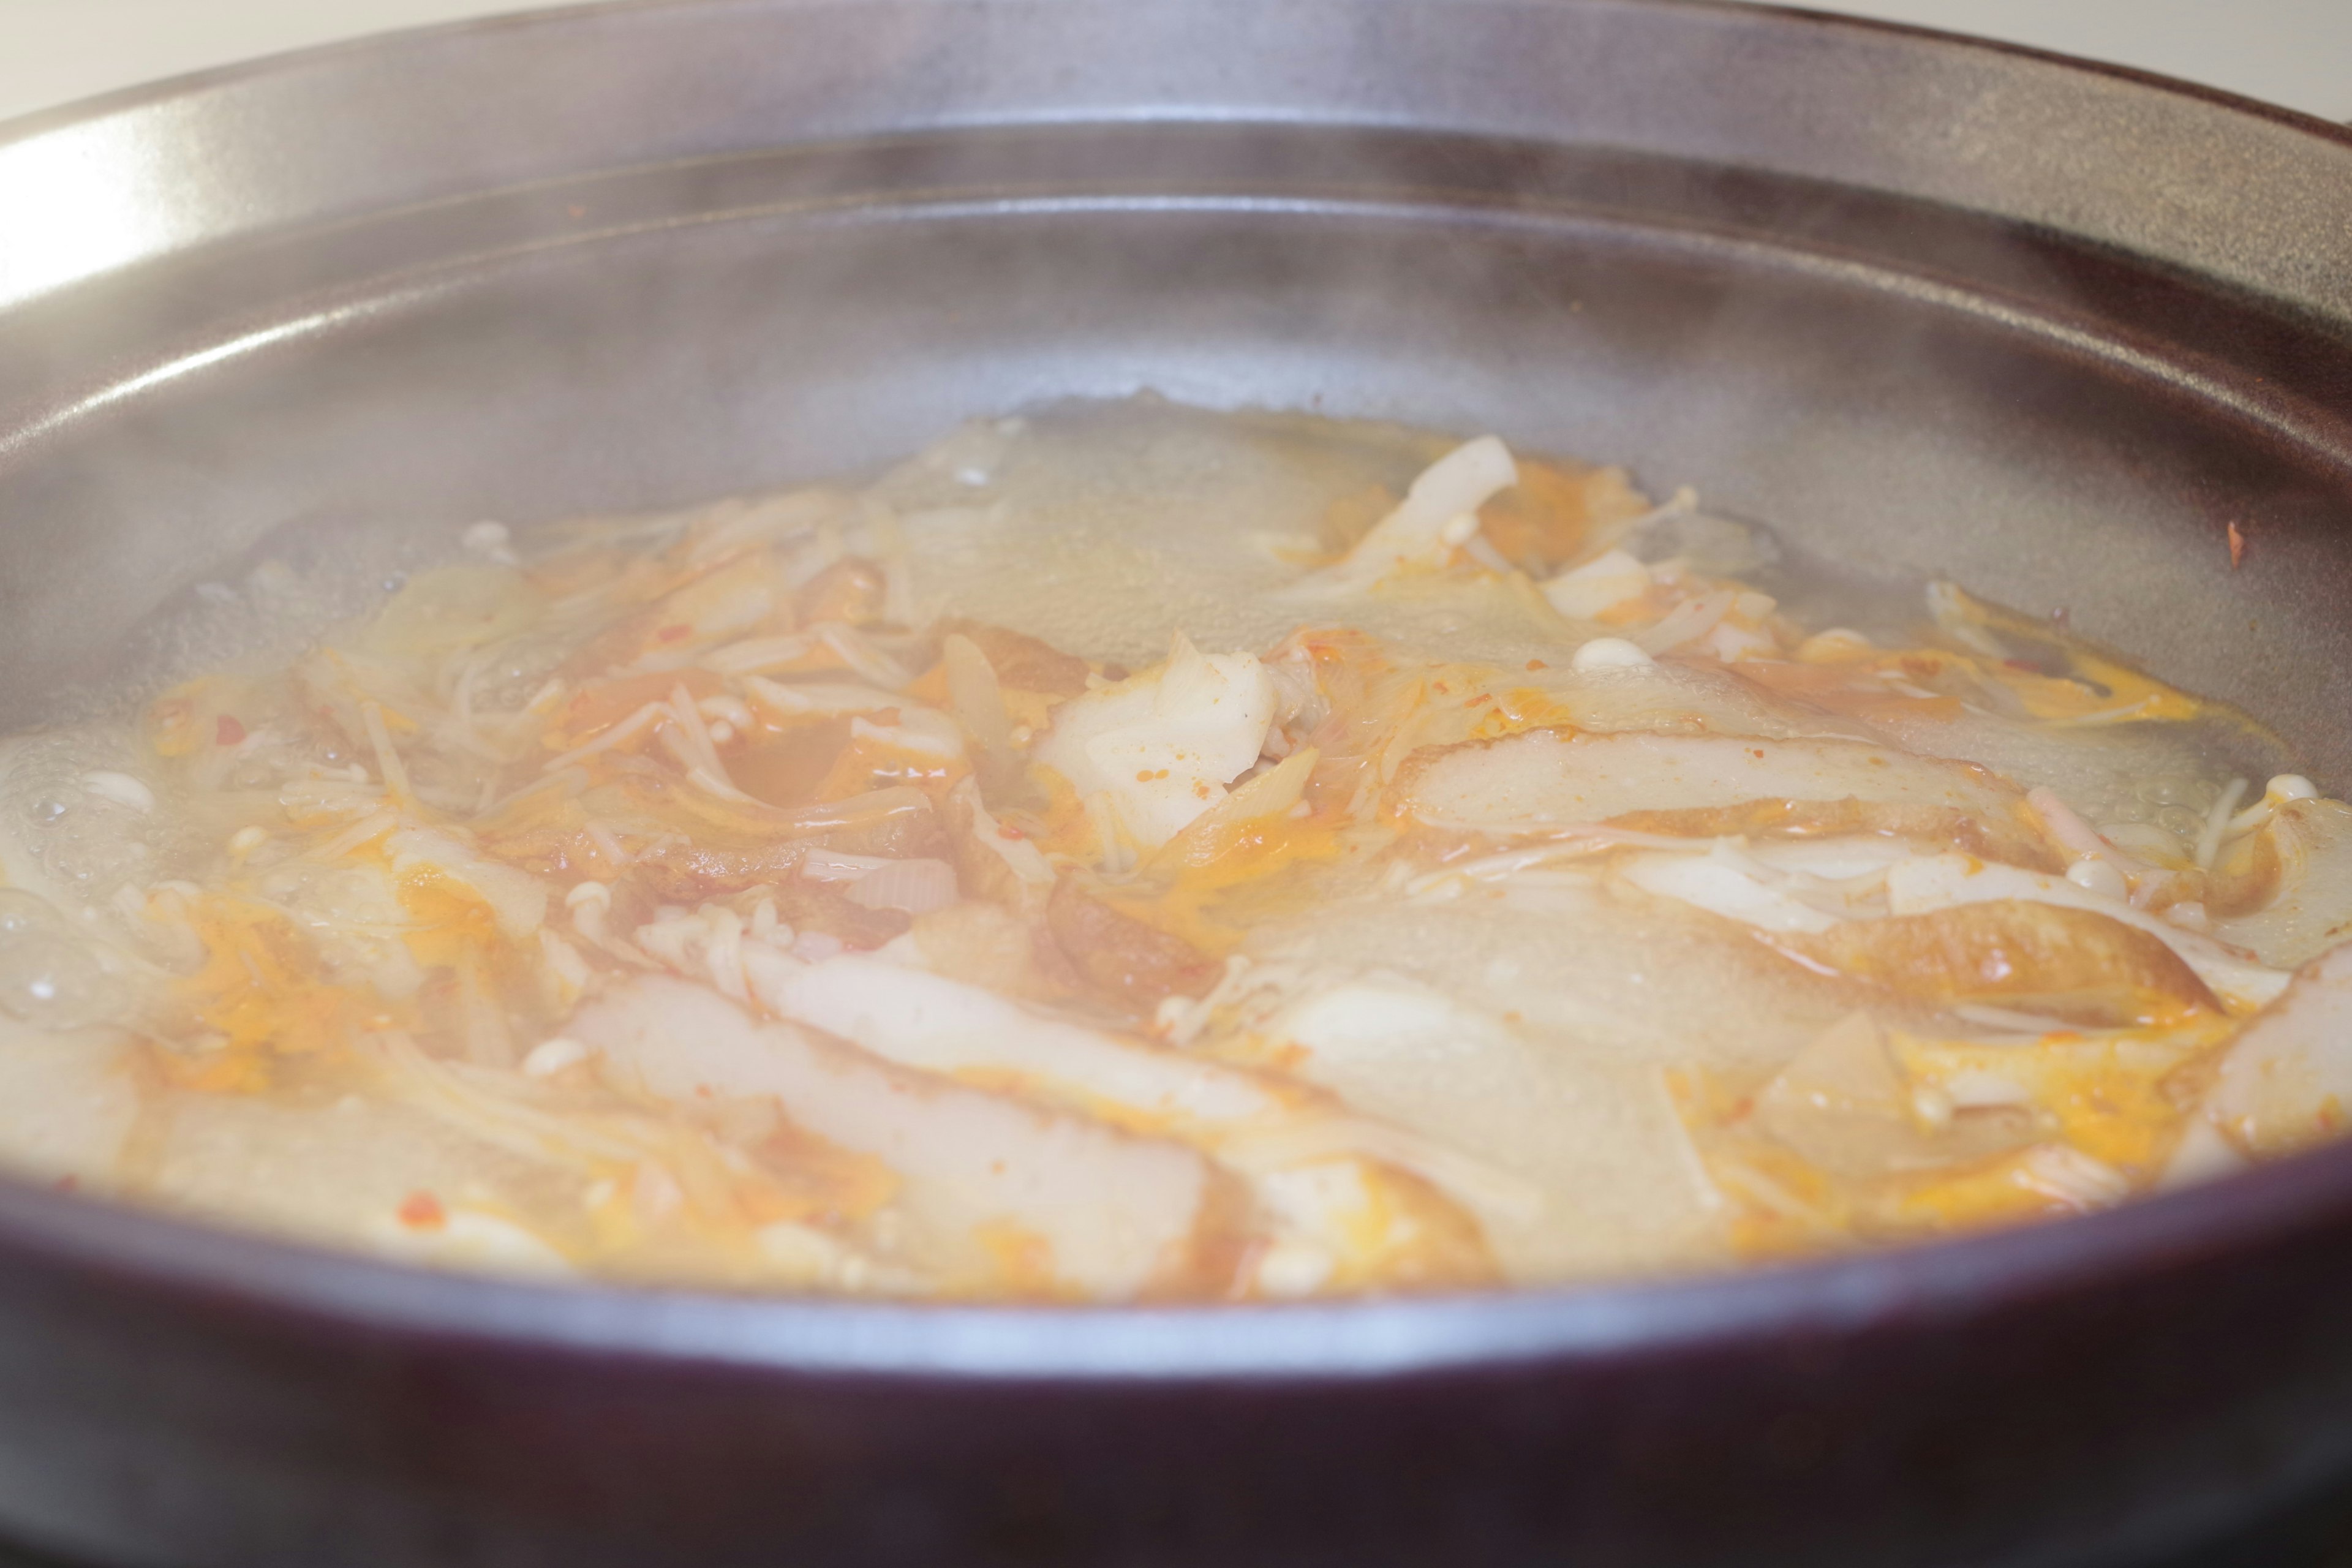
[
  {"x": 1686, "y": 622},
  {"x": 840, "y": 865},
  {"x": 976, "y": 697},
  {"x": 918, "y": 887}
]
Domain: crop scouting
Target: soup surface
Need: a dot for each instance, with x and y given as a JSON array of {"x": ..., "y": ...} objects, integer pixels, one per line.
[{"x": 1131, "y": 852}]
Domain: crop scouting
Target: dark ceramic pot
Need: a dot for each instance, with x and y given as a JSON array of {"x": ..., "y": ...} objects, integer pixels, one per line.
[{"x": 1919, "y": 303}]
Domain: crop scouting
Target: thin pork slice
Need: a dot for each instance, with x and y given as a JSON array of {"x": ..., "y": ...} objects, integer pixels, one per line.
[
  {"x": 1000, "y": 1188},
  {"x": 1544, "y": 780}
]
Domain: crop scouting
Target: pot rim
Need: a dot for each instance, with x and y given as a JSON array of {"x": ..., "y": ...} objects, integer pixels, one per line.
[
  {"x": 1910, "y": 1288},
  {"x": 583, "y": 13}
]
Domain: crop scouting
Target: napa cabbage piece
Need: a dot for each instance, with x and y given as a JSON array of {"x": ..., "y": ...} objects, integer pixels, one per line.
[
  {"x": 1160, "y": 748},
  {"x": 1595, "y": 1141},
  {"x": 1532, "y": 1022},
  {"x": 68, "y": 1101},
  {"x": 390, "y": 1174}
]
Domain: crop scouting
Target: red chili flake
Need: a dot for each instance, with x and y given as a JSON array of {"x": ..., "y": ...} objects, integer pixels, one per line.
[
  {"x": 1473, "y": 702},
  {"x": 423, "y": 1211},
  {"x": 671, "y": 633},
  {"x": 1006, "y": 831},
  {"x": 2237, "y": 546},
  {"x": 227, "y": 731},
  {"x": 1537, "y": 664}
]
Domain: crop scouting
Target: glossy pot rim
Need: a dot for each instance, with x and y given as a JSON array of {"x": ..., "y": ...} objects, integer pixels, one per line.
[
  {"x": 2249, "y": 218},
  {"x": 1895, "y": 1289},
  {"x": 183, "y": 84},
  {"x": 1903, "y": 1289}
]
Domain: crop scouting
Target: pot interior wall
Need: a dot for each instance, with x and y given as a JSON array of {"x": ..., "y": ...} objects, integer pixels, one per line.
[{"x": 1806, "y": 357}]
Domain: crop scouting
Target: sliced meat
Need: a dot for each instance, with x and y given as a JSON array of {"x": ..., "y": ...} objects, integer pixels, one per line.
[
  {"x": 1128, "y": 961},
  {"x": 1941, "y": 881},
  {"x": 823, "y": 907},
  {"x": 992, "y": 861},
  {"x": 727, "y": 846},
  {"x": 1347, "y": 1202},
  {"x": 1546, "y": 780},
  {"x": 929, "y": 1021},
  {"x": 1007, "y": 1196},
  {"x": 2286, "y": 1082},
  {"x": 2047, "y": 959},
  {"x": 743, "y": 846},
  {"x": 1997, "y": 839},
  {"x": 1023, "y": 663}
]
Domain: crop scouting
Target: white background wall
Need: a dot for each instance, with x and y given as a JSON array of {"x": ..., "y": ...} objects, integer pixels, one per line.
[{"x": 2295, "y": 52}]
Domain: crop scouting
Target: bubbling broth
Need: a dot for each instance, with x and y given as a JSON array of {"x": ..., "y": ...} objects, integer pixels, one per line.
[{"x": 1131, "y": 852}]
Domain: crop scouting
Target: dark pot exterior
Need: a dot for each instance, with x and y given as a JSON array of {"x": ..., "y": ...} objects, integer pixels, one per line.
[{"x": 1922, "y": 304}]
